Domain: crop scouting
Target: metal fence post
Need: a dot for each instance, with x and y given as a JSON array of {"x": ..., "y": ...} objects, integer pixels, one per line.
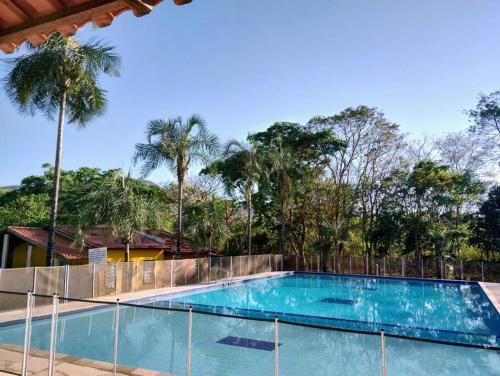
[
  {"x": 190, "y": 334},
  {"x": 154, "y": 273},
  {"x": 319, "y": 261},
  {"x": 382, "y": 345},
  {"x": 482, "y": 271},
  {"x": 231, "y": 263},
  {"x": 385, "y": 272},
  {"x": 461, "y": 270},
  {"x": 115, "y": 339},
  {"x": 376, "y": 267},
  {"x": 66, "y": 280},
  {"x": 350, "y": 264},
  {"x": 334, "y": 264},
  {"x": 442, "y": 269},
  {"x": 172, "y": 267},
  {"x": 296, "y": 263},
  {"x": 366, "y": 265},
  {"x": 276, "y": 347},
  {"x": 27, "y": 332},
  {"x": 34, "y": 280},
  {"x": 53, "y": 333},
  {"x": 93, "y": 281},
  {"x": 402, "y": 266}
]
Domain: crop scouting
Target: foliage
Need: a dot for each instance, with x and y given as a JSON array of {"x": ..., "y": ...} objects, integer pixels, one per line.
[
  {"x": 487, "y": 228},
  {"x": 177, "y": 144},
  {"x": 117, "y": 202}
]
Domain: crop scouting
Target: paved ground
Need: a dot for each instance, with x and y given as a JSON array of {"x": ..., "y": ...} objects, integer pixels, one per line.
[
  {"x": 493, "y": 292},
  {"x": 11, "y": 360}
]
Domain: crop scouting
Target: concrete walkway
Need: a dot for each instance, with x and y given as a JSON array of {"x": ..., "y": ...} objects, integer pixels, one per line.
[
  {"x": 493, "y": 292},
  {"x": 64, "y": 365}
]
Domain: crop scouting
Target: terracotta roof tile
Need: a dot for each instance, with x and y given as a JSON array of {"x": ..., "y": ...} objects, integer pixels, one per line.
[
  {"x": 35, "y": 20},
  {"x": 100, "y": 237}
]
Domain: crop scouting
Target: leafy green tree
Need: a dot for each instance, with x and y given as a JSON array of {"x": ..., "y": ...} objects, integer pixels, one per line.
[
  {"x": 293, "y": 154},
  {"x": 177, "y": 144},
  {"x": 25, "y": 210},
  {"x": 60, "y": 76},
  {"x": 487, "y": 227},
  {"x": 486, "y": 116},
  {"x": 240, "y": 169},
  {"x": 117, "y": 203}
]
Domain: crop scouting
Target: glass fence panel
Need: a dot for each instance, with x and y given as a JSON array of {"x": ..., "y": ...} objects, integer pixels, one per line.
[
  {"x": 153, "y": 339},
  {"x": 17, "y": 280},
  {"x": 146, "y": 275},
  {"x": 85, "y": 331},
  {"x": 358, "y": 265},
  {"x": 327, "y": 352},
  {"x": 12, "y": 331},
  {"x": 230, "y": 346},
  {"x": 80, "y": 281},
  {"x": 105, "y": 279},
  {"x": 416, "y": 358},
  {"x": 203, "y": 270},
  {"x": 240, "y": 266},
  {"x": 49, "y": 281},
  {"x": 473, "y": 270},
  {"x": 184, "y": 272},
  {"x": 163, "y": 273}
]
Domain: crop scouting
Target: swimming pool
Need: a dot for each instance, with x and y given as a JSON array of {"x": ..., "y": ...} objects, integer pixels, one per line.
[
  {"x": 437, "y": 310},
  {"x": 157, "y": 339}
]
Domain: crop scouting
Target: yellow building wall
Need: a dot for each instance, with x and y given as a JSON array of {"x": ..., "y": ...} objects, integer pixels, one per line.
[
  {"x": 118, "y": 255},
  {"x": 38, "y": 256}
]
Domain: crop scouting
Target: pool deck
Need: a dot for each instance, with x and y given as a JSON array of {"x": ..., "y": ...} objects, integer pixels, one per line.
[
  {"x": 493, "y": 292},
  {"x": 11, "y": 361}
]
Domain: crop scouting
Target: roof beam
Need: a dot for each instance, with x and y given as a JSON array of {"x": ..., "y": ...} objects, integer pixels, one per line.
[
  {"x": 64, "y": 17},
  {"x": 140, "y": 7}
]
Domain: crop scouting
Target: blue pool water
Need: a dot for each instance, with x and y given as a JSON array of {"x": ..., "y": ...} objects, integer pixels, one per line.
[
  {"x": 157, "y": 339},
  {"x": 444, "y": 311}
]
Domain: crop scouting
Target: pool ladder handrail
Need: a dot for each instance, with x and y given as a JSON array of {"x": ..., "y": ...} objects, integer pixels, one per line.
[{"x": 229, "y": 274}]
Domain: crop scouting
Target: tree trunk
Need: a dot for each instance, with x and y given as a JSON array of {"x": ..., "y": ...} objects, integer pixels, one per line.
[
  {"x": 282, "y": 233},
  {"x": 249, "y": 224},
  {"x": 127, "y": 252},
  {"x": 180, "y": 196},
  {"x": 56, "y": 181}
]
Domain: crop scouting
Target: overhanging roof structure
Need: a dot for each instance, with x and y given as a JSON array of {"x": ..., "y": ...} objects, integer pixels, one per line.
[{"x": 35, "y": 20}]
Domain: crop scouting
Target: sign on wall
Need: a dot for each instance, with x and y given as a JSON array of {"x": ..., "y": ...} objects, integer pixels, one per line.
[{"x": 98, "y": 255}]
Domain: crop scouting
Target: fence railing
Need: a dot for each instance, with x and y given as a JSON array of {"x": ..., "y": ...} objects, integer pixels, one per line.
[
  {"x": 115, "y": 335},
  {"x": 397, "y": 267},
  {"x": 97, "y": 280}
]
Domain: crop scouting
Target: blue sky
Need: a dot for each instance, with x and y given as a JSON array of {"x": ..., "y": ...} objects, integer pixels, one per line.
[{"x": 244, "y": 64}]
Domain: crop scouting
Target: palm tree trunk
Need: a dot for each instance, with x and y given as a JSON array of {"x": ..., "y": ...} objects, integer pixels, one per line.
[
  {"x": 180, "y": 196},
  {"x": 282, "y": 232},
  {"x": 56, "y": 181},
  {"x": 249, "y": 224}
]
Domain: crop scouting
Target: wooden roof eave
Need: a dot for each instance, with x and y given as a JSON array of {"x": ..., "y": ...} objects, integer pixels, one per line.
[{"x": 70, "y": 18}]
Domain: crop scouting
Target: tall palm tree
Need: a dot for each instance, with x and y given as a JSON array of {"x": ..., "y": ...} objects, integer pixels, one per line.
[
  {"x": 177, "y": 144},
  {"x": 281, "y": 166},
  {"x": 60, "y": 76},
  {"x": 250, "y": 171},
  {"x": 117, "y": 202}
]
